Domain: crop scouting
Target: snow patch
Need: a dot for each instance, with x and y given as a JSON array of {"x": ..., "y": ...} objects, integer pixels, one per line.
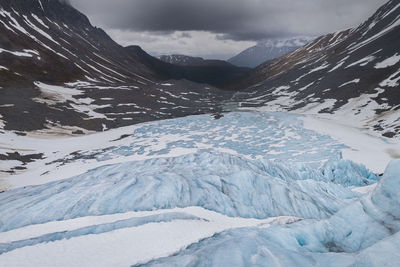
[{"x": 393, "y": 60}]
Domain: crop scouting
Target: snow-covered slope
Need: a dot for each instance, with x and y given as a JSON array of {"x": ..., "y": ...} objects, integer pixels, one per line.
[
  {"x": 268, "y": 50},
  {"x": 100, "y": 85},
  {"x": 57, "y": 70},
  {"x": 39, "y": 35},
  {"x": 351, "y": 75}
]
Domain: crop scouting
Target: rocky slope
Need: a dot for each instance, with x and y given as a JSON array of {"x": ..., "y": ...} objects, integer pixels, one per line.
[
  {"x": 352, "y": 75},
  {"x": 99, "y": 84},
  {"x": 184, "y": 60},
  {"x": 60, "y": 72}
]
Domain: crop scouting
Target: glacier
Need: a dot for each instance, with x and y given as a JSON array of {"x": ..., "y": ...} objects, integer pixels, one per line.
[
  {"x": 365, "y": 233},
  {"x": 254, "y": 189},
  {"x": 276, "y": 137},
  {"x": 272, "y": 136},
  {"x": 216, "y": 181}
]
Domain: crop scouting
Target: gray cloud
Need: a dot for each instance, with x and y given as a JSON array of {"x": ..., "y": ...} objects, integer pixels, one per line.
[
  {"x": 230, "y": 19},
  {"x": 185, "y": 35},
  {"x": 219, "y": 28},
  {"x": 68, "y": 2}
]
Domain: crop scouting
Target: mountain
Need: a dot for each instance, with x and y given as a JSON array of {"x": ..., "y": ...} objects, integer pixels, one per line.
[
  {"x": 39, "y": 35},
  {"x": 213, "y": 72},
  {"x": 351, "y": 75},
  {"x": 60, "y": 72},
  {"x": 184, "y": 60},
  {"x": 267, "y": 50}
]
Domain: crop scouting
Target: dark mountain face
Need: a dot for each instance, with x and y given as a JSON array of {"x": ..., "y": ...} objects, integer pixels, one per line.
[
  {"x": 183, "y": 60},
  {"x": 100, "y": 84},
  {"x": 268, "y": 50},
  {"x": 213, "y": 72},
  {"x": 354, "y": 73},
  {"x": 62, "y": 45}
]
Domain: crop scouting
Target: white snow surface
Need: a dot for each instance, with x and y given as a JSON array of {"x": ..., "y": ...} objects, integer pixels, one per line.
[
  {"x": 363, "y": 147},
  {"x": 52, "y": 94},
  {"x": 393, "y": 60},
  {"x": 154, "y": 236},
  {"x": 16, "y": 53}
]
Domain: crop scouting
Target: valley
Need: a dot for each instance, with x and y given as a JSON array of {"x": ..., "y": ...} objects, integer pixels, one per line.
[{"x": 112, "y": 157}]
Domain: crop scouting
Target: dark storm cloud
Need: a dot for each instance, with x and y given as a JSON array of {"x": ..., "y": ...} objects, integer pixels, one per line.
[{"x": 232, "y": 19}]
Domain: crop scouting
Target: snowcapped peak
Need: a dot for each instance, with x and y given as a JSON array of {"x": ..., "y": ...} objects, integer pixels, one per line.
[
  {"x": 286, "y": 42},
  {"x": 269, "y": 49}
]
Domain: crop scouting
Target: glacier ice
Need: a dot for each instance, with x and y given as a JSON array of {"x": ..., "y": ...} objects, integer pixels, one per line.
[
  {"x": 249, "y": 165},
  {"x": 216, "y": 181},
  {"x": 364, "y": 233},
  {"x": 272, "y": 136}
]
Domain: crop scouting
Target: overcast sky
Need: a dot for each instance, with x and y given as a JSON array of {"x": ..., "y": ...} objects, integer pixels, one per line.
[{"x": 219, "y": 28}]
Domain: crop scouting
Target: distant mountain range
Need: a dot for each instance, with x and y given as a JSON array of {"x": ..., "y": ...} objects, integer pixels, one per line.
[
  {"x": 199, "y": 70},
  {"x": 267, "y": 50},
  {"x": 184, "y": 60}
]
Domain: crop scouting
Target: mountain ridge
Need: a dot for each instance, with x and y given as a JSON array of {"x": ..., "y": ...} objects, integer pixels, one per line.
[
  {"x": 352, "y": 75},
  {"x": 267, "y": 50},
  {"x": 57, "y": 70}
]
